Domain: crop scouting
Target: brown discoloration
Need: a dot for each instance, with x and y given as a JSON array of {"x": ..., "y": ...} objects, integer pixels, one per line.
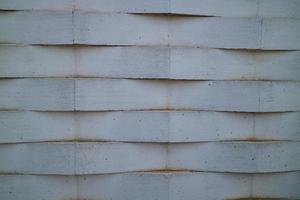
[{"x": 257, "y": 198}]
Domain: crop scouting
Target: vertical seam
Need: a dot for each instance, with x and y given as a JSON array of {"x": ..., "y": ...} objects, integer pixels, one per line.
[
  {"x": 75, "y": 53},
  {"x": 261, "y": 33},
  {"x": 73, "y": 21},
  {"x": 74, "y": 94},
  {"x": 169, "y": 177},
  {"x": 169, "y": 19},
  {"x": 75, "y": 170},
  {"x": 169, "y": 126},
  {"x": 260, "y": 24},
  {"x": 251, "y": 185},
  {"x": 254, "y": 125},
  {"x": 169, "y": 63},
  {"x": 257, "y": 8},
  {"x": 167, "y": 156}
]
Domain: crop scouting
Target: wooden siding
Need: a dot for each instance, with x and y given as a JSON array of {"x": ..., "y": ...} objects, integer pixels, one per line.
[{"x": 139, "y": 99}]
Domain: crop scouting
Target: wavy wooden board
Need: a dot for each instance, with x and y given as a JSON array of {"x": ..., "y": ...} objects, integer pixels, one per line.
[
  {"x": 235, "y": 33},
  {"x": 149, "y": 186},
  {"x": 80, "y": 158},
  {"x": 235, "y": 156},
  {"x": 37, "y": 94},
  {"x": 149, "y": 126},
  {"x": 46, "y": 27},
  {"x": 101, "y": 158},
  {"x": 148, "y": 62},
  {"x": 122, "y": 94},
  {"x": 124, "y": 29},
  {"x": 36, "y": 61},
  {"x": 36, "y": 4},
  {"x": 236, "y": 8},
  {"x": 117, "y": 94},
  {"x": 36, "y": 27}
]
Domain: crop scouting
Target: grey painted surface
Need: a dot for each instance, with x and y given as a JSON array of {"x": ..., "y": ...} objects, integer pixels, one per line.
[
  {"x": 235, "y": 8},
  {"x": 66, "y": 27},
  {"x": 148, "y": 62},
  {"x": 147, "y": 126},
  {"x": 152, "y": 186},
  {"x": 100, "y": 158},
  {"x": 124, "y": 94},
  {"x": 138, "y": 99}
]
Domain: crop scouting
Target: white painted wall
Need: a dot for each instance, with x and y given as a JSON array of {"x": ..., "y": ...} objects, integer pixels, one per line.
[{"x": 139, "y": 99}]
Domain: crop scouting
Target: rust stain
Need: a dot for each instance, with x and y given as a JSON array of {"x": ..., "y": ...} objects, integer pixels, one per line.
[{"x": 258, "y": 198}]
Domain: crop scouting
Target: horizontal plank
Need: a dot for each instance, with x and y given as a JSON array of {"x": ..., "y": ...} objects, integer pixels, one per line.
[
  {"x": 50, "y": 94},
  {"x": 284, "y": 32},
  {"x": 148, "y": 62},
  {"x": 250, "y": 96},
  {"x": 36, "y": 27},
  {"x": 124, "y": 29},
  {"x": 100, "y": 158},
  {"x": 121, "y": 29},
  {"x": 36, "y": 4},
  {"x": 147, "y": 126},
  {"x": 127, "y": 6},
  {"x": 127, "y": 29},
  {"x": 80, "y": 158},
  {"x": 236, "y": 8},
  {"x": 36, "y": 61},
  {"x": 235, "y": 156},
  {"x": 189, "y": 186},
  {"x": 122, "y": 94},
  {"x": 235, "y": 33},
  {"x": 217, "y": 64}
]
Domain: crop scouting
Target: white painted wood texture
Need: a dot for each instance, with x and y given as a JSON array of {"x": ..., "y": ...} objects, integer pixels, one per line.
[
  {"x": 222, "y": 96},
  {"x": 36, "y": 61},
  {"x": 148, "y": 62},
  {"x": 44, "y": 27},
  {"x": 149, "y": 126},
  {"x": 38, "y": 27},
  {"x": 121, "y": 94},
  {"x": 115, "y": 94},
  {"x": 36, "y": 4},
  {"x": 100, "y": 158},
  {"x": 218, "y": 117},
  {"x": 235, "y": 8},
  {"x": 151, "y": 186},
  {"x": 37, "y": 94},
  {"x": 216, "y": 32},
  {"x": 238, "y": 8},
  {"x": 80, "y": 158}
]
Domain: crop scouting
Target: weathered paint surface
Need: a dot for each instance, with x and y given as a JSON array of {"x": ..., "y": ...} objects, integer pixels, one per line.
[
  {"x": 136, "y": 126},
  {"x": 100, "y": 158},
  {"x": 150, "y": 186},
  {"x": 139, "y": 99},
  {"x": 232, "y": 8},
  {"x": 62, "y": 27},
  {"x": 122, "y": 94},
  {"x": 148, "y": 62}
]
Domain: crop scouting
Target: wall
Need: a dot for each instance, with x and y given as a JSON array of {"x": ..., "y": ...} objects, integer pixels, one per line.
[{"x": 139, "y": 99}]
